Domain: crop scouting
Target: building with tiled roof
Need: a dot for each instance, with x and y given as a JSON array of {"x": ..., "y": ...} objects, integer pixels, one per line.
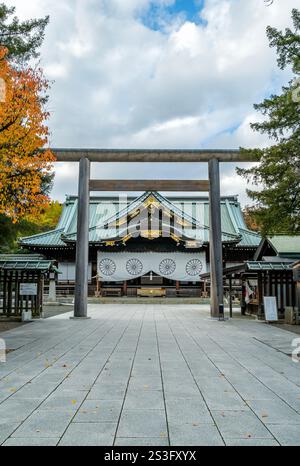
[{"x": 145, "y": 241}]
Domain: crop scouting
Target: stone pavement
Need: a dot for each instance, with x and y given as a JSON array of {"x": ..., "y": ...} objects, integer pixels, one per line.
[{"x": 149, "y": 375}]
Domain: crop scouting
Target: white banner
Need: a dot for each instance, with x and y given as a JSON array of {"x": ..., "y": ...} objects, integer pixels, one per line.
[{"x": 118, "y": 266}]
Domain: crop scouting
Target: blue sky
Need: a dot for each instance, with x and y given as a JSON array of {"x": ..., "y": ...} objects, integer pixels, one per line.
[{"x": 186, "y": 10}]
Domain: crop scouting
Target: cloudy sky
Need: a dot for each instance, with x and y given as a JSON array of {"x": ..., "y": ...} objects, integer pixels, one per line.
[{"x": 157, "y": 74}]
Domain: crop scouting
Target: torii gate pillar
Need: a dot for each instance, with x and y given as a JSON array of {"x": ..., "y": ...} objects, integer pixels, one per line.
[
  {"x": 82, "y": 243},
  {"x": 215, "y": 241}
]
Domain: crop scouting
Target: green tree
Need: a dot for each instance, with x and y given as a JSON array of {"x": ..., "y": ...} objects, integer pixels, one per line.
[
  {"x": 10, "y": 232},
  {"x": 48, "y": 217},
  {"x": 277, "y": 176},
  {"x": 22, "y": 39}
]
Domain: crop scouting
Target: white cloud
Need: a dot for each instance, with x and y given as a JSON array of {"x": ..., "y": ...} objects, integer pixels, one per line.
[
  {"x": 119, "y": 83},
  {"x": 56, "y": 70}
]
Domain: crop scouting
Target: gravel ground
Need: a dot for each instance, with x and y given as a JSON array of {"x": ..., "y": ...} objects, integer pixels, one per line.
[
  {"x": 289, "y": 328},
  {"x": 51, "y": 311},
  {"x": 9, "y": 325}
]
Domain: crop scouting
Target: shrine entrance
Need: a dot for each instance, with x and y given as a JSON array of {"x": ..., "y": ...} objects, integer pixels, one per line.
[{"x": 212, "y": 185}]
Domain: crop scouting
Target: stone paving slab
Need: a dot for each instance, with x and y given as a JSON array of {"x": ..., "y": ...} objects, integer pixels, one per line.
[
  {"x": 286, "y": 434},
  {"x": 45, "y": 424},
  {"x": 89, "y": 434},
  {"x": 31, "y": 442},
  {"x": 140, "y": 442},
  {"x": 240, "y": 425},
  {"x": 149, "y": 375},
  {"x": 143, "y": 423},
  {"x": 144, "y": 399},
  {"x": 99, "y": 411},
  {"x": 255, "y": 442},
  {"x": 195, "y": 435},
  {"x": 274, "y": 412}
]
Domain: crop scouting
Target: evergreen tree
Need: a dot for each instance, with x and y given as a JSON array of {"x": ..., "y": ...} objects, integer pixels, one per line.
[
  {"x": 277, "y": 204},
  {"x": 22, "y": 39}
]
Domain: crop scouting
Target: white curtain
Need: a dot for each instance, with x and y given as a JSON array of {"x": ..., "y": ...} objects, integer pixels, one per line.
[
  {"x": 118, "y": 266},
  {"x": 67, "y": 271}
]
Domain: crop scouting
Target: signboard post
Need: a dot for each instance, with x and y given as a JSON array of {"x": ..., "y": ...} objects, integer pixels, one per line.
[
  {"x": 28, "y": 289},
  {"x": 270, "y": 308}
]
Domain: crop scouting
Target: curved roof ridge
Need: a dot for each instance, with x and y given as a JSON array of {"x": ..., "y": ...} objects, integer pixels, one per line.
[{"x": 44, "y": 233}]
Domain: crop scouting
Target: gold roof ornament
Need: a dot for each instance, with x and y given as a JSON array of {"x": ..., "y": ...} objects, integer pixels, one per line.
[
  {"x": 150, "y": 234},
  {"x": 126, "y": 238},
  {"x": 110, "y": 243}
]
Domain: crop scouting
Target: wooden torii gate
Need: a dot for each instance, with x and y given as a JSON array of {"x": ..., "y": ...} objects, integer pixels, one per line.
[{"x": 85, "y": 185}]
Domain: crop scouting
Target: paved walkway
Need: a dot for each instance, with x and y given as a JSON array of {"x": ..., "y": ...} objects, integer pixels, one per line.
[{"x": 149, "y": 375}]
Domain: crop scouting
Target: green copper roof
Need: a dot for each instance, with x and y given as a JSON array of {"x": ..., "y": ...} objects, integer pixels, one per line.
[
  {"x": 262, "y": 265},
  {"x": 17, "y": 257},
  {"x": 47, "y": 239},
  {"x": 24, "y": 264},
  {"x": 284, "y": 244},
  {"x": 106, "y": 210}
]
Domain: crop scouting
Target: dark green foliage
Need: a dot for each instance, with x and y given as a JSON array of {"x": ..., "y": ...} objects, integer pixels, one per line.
[
  {"x": 10, "y": 232},
  {"x": 277, "y": 204},
  {"x": 22, "y": 39}
]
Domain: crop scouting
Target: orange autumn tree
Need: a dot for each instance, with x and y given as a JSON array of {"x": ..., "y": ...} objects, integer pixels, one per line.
[{"x": 24, "y": 167}]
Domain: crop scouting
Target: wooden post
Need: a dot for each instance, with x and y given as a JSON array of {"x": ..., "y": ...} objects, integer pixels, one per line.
[
  {"x": 125, "y": 288},
  {"x": 82, "y": 244},
  {"x": 230, "y": 296},
  {"x": 16, "y": 307},
  {"x": 287, "y": 289},
  {"x": 271, "y": 284},
  {"x": 97, "y": 287},
  {"x": 204, "y": 288},
  {"x": 215, "y": 239},
  {"x": 42, "y": 295},
  {"x": 9, "y": 290},
  {"x": 281, "y": 292},
  {"x": 260, "y": 310}
]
